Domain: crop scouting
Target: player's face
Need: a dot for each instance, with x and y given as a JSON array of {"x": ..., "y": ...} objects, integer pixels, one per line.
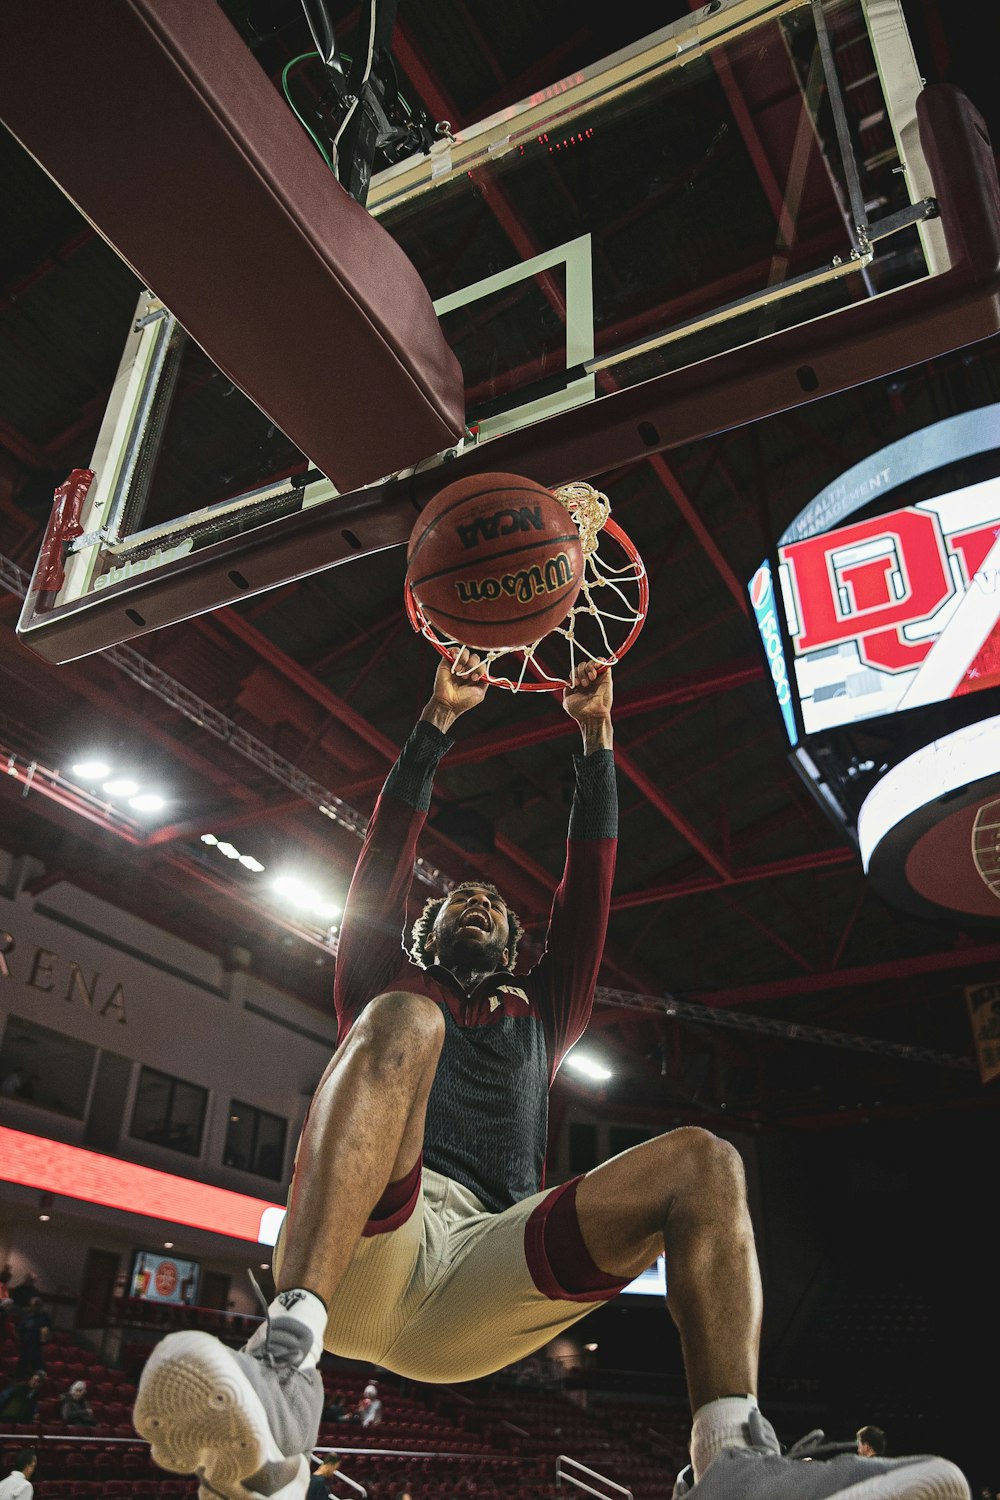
[{"x": 471, "y": 930}]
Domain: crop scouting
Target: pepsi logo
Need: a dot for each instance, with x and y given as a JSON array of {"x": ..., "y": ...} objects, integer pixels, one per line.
[{"x": 760, "y": 588}]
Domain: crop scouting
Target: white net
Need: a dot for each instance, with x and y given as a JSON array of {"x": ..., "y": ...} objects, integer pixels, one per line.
[{"x": 602, "y": 624}]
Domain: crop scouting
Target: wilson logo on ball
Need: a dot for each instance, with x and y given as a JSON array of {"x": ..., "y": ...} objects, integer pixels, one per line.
[
  {"x": 524, "y": 585},
  {"x": 500, "y": 523}
]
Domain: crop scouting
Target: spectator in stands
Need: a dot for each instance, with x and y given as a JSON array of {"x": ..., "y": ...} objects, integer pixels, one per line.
[
  {"x": 75, "y": 1408},
  {"x": 318, "y": 1487},
  {"x": 19, "y": 1402},
  {"x": 871, "y": 1442},
  {"x": 370, "y": 1406},
  {"x": 17, "y": 1485},
  {"x": 33, "y": 1328},
  {"x": 335, "y": 1409},
  {"x": 6, "y": 1303},
  {"x": 22, "y": 1294},
  {"x": 419, "y": 1235}
]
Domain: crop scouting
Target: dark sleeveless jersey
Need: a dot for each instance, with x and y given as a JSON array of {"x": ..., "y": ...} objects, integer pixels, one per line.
[{"x": 487, "y": 1115}]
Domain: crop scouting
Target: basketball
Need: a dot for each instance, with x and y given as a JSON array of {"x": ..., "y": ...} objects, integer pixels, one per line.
[{"x": 495, "y": 560}]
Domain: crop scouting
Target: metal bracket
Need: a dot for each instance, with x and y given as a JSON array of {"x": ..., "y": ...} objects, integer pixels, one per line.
[
  {"x": 917, "y": 213},
  {"x": 151, "y": 317}
]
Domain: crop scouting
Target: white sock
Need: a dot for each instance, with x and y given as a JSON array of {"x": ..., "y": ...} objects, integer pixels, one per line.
[
  {"x": 717, "y": 1425},
  {"x": 305, "y": 1307}
]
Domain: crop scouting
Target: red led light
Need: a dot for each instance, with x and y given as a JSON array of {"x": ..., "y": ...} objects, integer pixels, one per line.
[
  {"x": 567, "y": 141},
  {"x": 32, "y": 1161}
]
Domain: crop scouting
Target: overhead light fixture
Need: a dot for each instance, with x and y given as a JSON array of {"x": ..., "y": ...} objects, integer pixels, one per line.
[
  {"x": 147, "y": 802},
  {"x": 300, "y": 894},
  {"x": 44, "y": 1218},
  {"x": 91, "y": 770},
  {"x": 588, "y": 1067},
  {"x": 231, "y": 852},
  {"x": 168, "y": 1244},
  {"x": 121, "y": 786}
]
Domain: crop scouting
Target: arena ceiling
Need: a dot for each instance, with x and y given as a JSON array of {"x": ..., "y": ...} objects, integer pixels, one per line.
[{"x": 804, "y": 999}]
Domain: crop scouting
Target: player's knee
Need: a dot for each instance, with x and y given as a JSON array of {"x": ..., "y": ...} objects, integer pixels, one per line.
[
  {"x": 703, "y": 1160},
  {"x": 400, "y": 1030}
]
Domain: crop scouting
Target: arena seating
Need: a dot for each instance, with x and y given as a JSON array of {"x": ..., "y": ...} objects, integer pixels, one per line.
[{"x": 484, "y": 1442}]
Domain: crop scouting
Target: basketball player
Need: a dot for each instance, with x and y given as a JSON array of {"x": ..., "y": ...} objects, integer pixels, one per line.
[{"x": 418, "y": 1236}]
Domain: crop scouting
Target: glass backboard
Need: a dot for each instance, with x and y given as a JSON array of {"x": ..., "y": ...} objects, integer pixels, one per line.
[{"x": 650, "y": 250}]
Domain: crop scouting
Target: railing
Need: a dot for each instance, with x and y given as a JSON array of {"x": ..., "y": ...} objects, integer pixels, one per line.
[
  {"x": 79, "y": 1440},
  {"x": 581, "y": 1484},
  {"x": 346, "y": 1479}
]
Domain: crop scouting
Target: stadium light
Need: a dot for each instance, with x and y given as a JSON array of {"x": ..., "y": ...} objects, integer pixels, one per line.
[
  {"x": 91, "y": 770},
  {"x": 588, "y": 1067},
  {"x": 121, "y": 786},
  {"x": 147, "y": 802}
]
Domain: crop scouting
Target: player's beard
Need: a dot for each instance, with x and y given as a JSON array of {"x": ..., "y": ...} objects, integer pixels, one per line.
[{"x": 469, "y": 956}]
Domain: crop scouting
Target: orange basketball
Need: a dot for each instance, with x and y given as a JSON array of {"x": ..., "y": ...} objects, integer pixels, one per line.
[{"x": 495, "y": 560}]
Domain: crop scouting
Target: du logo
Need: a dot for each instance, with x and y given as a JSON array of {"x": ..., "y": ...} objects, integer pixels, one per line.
[{"x": 882, "y": 582}]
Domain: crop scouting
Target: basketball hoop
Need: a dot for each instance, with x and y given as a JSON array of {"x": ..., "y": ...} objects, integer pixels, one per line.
[{"x": 588, "y": 626}]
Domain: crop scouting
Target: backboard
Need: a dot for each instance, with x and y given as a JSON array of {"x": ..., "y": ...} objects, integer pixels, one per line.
[{"x": 755, "y": 206}]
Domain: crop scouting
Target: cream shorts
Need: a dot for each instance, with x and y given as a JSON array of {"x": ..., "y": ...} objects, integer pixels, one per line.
[{"x": 443, "y": 1290}]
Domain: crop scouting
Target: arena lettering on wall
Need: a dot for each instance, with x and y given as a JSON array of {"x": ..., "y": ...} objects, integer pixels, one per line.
[{"x": 44, "y": 972}]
